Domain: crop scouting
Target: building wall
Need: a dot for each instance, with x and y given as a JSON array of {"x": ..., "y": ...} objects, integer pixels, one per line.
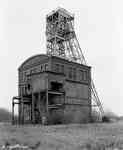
[
  {"x": 78, "y": 102},
  {"x": 41, "y": 70},
  {"x": 33, "y": 65},
  {"x": 77, "y": 89},
  {"x": 76, "y": 114},
  {"x": 39, "y": 82}
]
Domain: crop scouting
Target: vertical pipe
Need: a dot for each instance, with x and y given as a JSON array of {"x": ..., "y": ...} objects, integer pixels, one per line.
[
  {"x": 21, "y": 106},
  {"x": 19, "y": 103},
  {"x": 13, "y": 111}
]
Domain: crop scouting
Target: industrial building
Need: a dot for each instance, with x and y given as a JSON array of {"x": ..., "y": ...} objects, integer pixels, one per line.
[
  {"x": 56, "y": 87},
  {"x": 49, "y": 84}
]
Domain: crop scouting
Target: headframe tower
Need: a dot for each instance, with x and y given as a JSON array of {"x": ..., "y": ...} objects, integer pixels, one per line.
[{"x": 62, "y": 42}]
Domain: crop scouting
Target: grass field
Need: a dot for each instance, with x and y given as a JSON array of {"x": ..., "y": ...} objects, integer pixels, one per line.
[{"x": 64, "y": 137}]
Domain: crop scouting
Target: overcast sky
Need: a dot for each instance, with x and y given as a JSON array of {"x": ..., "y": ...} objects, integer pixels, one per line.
[{"x": 99, "y": 28}]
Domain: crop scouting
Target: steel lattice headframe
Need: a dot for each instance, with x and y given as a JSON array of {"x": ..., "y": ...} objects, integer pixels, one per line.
[{"x": 62, "y": 42}]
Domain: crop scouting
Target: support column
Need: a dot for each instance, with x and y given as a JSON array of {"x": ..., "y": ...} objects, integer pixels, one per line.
[
  {"x": 47, "y": 101},
  {"x": 47, "y": 110},
  {"x": 19, "y": 111},
  {"x": 33, "y": 111},
  {"x": 30, "y": 112},
  {"x": 47, "y": 95},
  {"x": 39, "y": 101},
  {"x": 64, "y": 108},
  {"x": 22, "y": 112}
]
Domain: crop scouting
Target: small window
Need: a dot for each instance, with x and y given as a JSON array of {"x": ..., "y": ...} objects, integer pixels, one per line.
[
  {"x": 23, "y": 90},
  {"x": 85, "y": 75},
  {"x": 62, "y": 68},
  {"x": 74, "y": 73},
  {"x": 41, "y": 67},
  {"x": 46, "y": 67},
  {"x": 28, "y": 86},
  {"x": 70, "y": 73},
  {"x": 24, "y": 76},
  {"x": 81, "y": 75},
  {"x": 57, "y": 68},
  {"x": 20, "y": 76},
  {"x": 33, "y": 70}
]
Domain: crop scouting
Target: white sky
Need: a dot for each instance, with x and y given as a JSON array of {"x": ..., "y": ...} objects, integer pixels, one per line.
[{"x": 99, "y": 28}]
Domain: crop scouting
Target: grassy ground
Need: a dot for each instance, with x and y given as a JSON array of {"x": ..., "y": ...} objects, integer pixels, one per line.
[{"x": 64, "y": 137}]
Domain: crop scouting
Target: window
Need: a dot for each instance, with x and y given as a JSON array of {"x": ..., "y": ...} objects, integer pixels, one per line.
[
  {"x": 56, "y": 86},
  {"x": 46, "y": 67},
  {"x": 62, "y": 68},
  {"x": 57, "y": 68},
  {"x": 81, "y": 75},
  {"x": 24, "y": 76},
  {"x": 70, "y": 73},
  {"x": 74, "y": 73},
  {"x": 33, "y": 70},
  {"x": 23, "y": 90},
  {"x": 85, "y": 76},
  {"x": 41, "y": 67},
  {"x": 20, "y": 76}
]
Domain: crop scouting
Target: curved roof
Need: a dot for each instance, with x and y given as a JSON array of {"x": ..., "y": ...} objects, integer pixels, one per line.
[{"x": 33, "y": 60}]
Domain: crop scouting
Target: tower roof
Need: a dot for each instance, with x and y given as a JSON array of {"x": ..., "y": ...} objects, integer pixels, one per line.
[{"x": 61, "y": 11}]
